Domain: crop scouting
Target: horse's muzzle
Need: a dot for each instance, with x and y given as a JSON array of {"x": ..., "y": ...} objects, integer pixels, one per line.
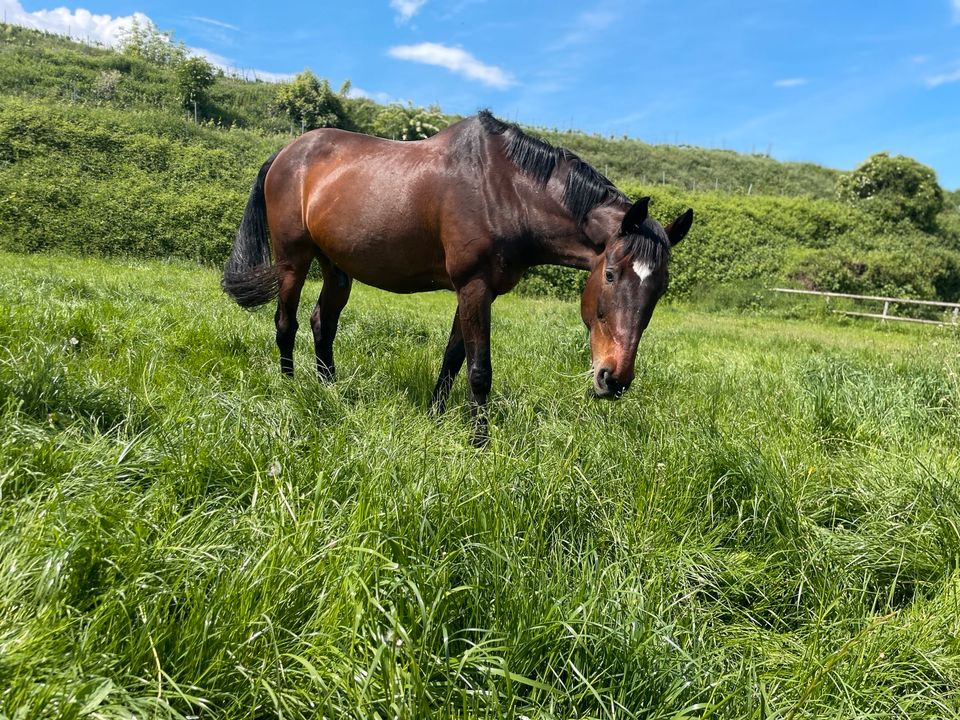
[{"x": 606, "y": 386}]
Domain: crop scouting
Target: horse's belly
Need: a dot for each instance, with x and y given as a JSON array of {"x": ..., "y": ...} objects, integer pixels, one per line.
[{"x": 396, "y": 267}]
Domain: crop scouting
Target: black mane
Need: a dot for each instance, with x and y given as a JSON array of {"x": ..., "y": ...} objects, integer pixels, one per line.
[
  {"x": 650, "y": 244},
  {"x": 585, "y": 188}
]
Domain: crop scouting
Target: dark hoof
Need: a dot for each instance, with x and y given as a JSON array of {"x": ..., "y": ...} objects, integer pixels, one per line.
[
  {"x": 326, "y": 374},
  {"x": 480, "y": 437}
]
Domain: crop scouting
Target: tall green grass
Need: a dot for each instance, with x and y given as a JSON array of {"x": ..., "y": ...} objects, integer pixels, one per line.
[{"x": 766, "y": 526}]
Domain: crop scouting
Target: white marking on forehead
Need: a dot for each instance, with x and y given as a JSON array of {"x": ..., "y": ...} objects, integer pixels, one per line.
[{"x": 642, "y": 270}]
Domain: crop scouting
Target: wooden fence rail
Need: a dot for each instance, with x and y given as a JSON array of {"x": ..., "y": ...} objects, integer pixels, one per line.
[{"x": 887, "y": 301}]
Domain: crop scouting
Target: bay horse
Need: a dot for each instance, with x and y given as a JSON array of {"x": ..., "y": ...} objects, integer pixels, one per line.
[{"x": 469, "y": 210}]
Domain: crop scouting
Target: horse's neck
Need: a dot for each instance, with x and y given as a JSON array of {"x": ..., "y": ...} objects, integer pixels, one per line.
[{"x": 576, "y": 247}]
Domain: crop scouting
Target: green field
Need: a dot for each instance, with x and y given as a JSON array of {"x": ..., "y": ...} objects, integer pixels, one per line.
[{"x": 766, "y": 526}]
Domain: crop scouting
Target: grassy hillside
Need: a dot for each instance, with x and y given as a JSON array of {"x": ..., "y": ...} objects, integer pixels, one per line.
[
  {"x": 36, "y": 65},
  {"x": 184, "y": 531},
  {"x": 126, "y": 172},
  {"x": 692, "y": 168},
  {"x": 39, "y": 65},
  {"x": 143, "y": 183}
]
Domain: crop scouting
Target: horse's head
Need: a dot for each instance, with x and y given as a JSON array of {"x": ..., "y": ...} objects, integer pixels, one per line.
[{"x": 626, "y": 282}]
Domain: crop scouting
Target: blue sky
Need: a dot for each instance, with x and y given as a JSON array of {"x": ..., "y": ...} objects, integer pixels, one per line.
[{"x": 828, "y": 82}]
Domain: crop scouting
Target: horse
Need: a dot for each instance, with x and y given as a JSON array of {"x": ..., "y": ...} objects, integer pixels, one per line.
[{"x": 469, "y": 210}]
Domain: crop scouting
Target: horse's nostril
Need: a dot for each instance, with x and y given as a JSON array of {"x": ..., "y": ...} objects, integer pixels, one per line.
[{"x": 603, "y": 377}]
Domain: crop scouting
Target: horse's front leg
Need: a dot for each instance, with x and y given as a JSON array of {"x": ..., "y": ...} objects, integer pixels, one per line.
[
  {"x": 453, "y": 358},
  {"x": 475, "y": 299}
]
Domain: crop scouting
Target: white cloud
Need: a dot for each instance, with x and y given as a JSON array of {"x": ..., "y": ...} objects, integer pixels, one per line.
[
  {"x": 943, "y": 78},
  {"x": 790, "y": 82},
  {"x": 83, "y": 25},
  {"x": 230, "y": 67},
  {"x": 956, "y": 11},
  {"x": 406, "y": 9},
  {"x": 381, "y": 97},
  {"x": 456, "y": 60},
  {"x": 80, "y": 24}
]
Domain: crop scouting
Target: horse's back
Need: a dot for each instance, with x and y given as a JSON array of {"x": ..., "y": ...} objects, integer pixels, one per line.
[{"x": 375, "y": 208}]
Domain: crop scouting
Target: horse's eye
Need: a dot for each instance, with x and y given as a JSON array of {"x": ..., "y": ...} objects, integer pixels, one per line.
[{"x": 608, "y": 275}]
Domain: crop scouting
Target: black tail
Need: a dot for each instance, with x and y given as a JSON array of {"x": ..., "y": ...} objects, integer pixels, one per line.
[{"x": 250, "y": 277}]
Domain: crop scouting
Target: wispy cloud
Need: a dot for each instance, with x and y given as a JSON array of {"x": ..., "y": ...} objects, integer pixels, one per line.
[
  {"x": 943, "y": 79},
  {"x": 956, "y": 10},
  {"x": 456, "y": 60},
  {"x": 790, "y": 82},
  {"x": 587, "y": 26},
  {"x": 215, "y": 23},
  {"x": 406, "y": 9}
]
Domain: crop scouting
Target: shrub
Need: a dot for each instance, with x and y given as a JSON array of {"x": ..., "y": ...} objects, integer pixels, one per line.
[
  {"x": 309, "y": 102},
  {"x": 895, "y": 188},
  {"x": 194, "y": 76}
]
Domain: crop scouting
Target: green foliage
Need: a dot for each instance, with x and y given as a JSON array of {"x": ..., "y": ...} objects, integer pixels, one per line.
[
  {"x": 105, "y": 85},
  {"x": 184, "y": 532},
  {"x": 400, "y": 122},
  {"x": 309, "y": 102},
  {"x": 40, "y": 66},
  {"x": 148, "y": 184},
  {"x": 95, "y": 157},
  {"x": 895, "y": 188},
  {"x": 194, "y": 75},
  {"x": 692, "y": 168},
  {"x": 925, "y": 275},
  {"x": 150, "y": 44}
]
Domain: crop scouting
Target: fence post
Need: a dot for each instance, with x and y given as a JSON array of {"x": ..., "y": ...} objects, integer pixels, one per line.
[
  {"x": 953, "y": 316},
  {"x": 886, "y": 307}
]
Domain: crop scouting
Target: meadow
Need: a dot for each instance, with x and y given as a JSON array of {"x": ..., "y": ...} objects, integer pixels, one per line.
[{"x": 766, "y": 526}]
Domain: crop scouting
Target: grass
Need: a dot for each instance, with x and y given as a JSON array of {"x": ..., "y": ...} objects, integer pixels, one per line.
[{"x": 767, "y": 526}]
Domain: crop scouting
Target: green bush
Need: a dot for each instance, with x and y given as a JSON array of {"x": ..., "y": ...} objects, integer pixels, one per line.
[
  {"x": 928, "y": 274},
  {"x": 93, "y": 181},
  {"x": 894, "y": 188}
]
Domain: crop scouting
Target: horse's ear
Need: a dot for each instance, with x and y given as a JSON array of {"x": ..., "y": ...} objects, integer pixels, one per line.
[
  {"x": 678, "y": 229},
  {"x": 635, "y": 216}
]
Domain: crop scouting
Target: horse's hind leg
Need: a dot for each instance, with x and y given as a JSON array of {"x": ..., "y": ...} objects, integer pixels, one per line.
[
  {"x": 292, "y": 273},
  {"x": 326, "y": 315},
  {"x": 453, "y": 358}
]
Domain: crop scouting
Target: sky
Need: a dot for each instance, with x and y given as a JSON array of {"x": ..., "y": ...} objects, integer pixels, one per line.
[{"x": 819, "y": 81}]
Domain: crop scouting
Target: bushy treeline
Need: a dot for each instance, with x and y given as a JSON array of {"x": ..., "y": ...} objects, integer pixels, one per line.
[
  {"x": 811, "y": 243},
  {"x": 144, "y": 183},
  {"x": 694, "y": 168},
  {"x": 130, "y": 174}
]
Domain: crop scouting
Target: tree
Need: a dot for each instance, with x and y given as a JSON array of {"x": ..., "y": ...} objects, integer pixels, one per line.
[
  {"x": 309, "y": 102},
  {"x": 194, "y": 76},
  {"x": 390, "y": 121},
  {"x": 408, "y": 123},
  {"x": 152, "y": 45},
  {"x": 895, "y": 188}
]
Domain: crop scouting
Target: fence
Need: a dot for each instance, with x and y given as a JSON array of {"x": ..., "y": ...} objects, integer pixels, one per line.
[{"x": 887, "y": 302}]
